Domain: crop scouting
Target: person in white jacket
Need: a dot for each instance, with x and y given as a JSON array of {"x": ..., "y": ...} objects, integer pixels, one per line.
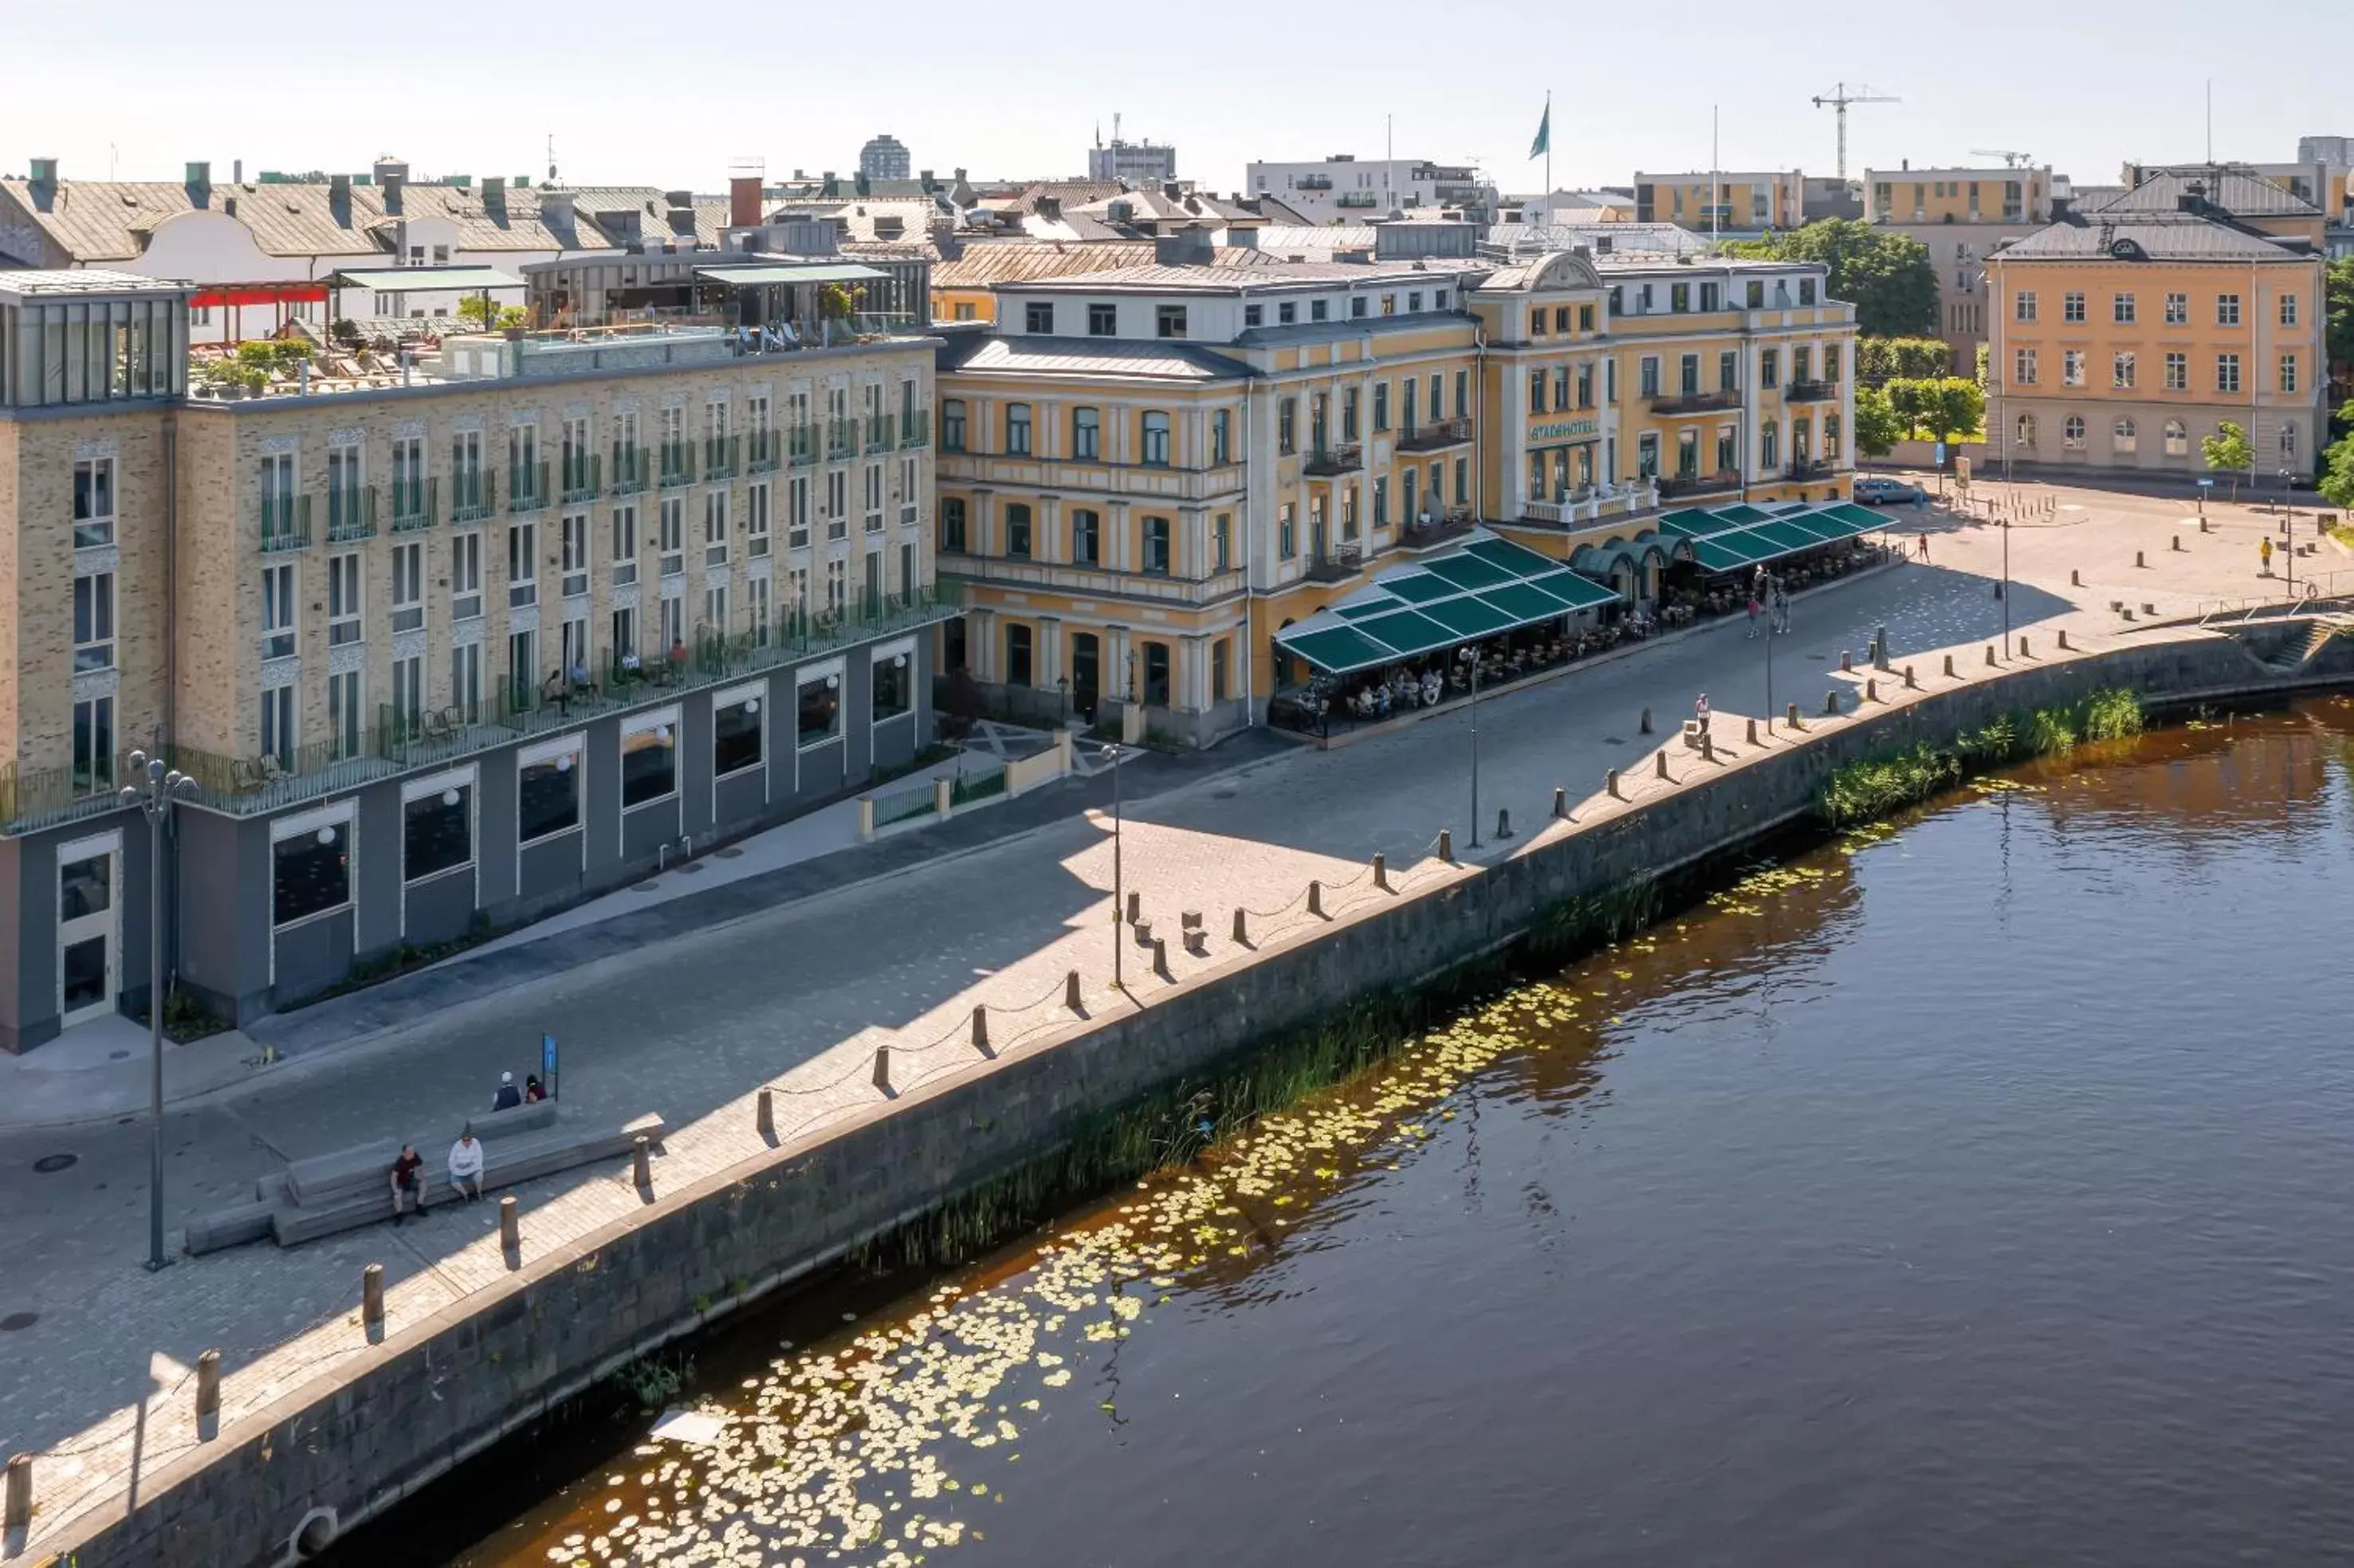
[{"x": 466, "y": 1164}]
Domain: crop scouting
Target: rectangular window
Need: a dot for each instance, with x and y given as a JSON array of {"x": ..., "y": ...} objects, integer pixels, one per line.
[
  {"x": 625, "y": 636},
  {"x": 797, "y": 513},
  {"x": 952, "y": 528},
  {"x": 1103, "y": 321},
  {"x": 2288, "y": 310},
  {"x": 1017, "y": 530},
  {"x": 2121, "y": 308},
  {"x": 466, "y": 681},
  {"x": 874, "y": 498},
  {"x": 755, "y": 521},
  {"x": 310, "y": 871},
  {"x": 625, "y": 543},
  {"x": 1286, "y": 540},
  {"x": 714, "y": 527},
  {"x": 1287, "y": 421},
  {"x": 2178, "y": 310},
  {"x": 344, "y": 607},
  {"x": 736, "y": 735},
  {"x": 1287, "y": 313},
  {"x": 437, "y": 830},
  {"x": 345, "y": 725},
  {"x": 1038, "y": 316},
  {"x": 408, "y": 694},
  {"x": 1156, "y": 439},
  {"x": 522, "y": 671},
  {"x": 1357, "y": 306},
  {"x": 2024, "y": 305},
  {"x": 1086, "y": 433},
  {"x": 760, "y": 607},
  {"x": 650, "y": 758},
  {"x": 523, "y": 565},
  {"x": 1222, "y": 445},
  {"x": 547, "y": 791},
  {"x": 2072, "y": 305},
  {"x": 2121, "y": 370},
  {"x": 1169, "y": 321},
  {"x": 2227, "y": 310},
  {"x": 465, "y": 577},
  {"x": 1381, "y": 407},
  {"x": 1222, "y": 539},
  {"x": 2022, "y": 368},
  {"x": 1017, "y": 429},
  {"x": 2227, "y": 373},
  {"x": 2071, "y": 368},
  {"x": 1156, "y": 546},
  {"x": 278, "y": 724},
  {"x": 2178, "y": 372},
  {"x": 1086, "y": 537},
  {"x": 893, "y": 685},
  {"x": 573, "y": 536},
  {"x": 817, "y": 702},
  {"x": 1382, "y": 501},
  {"x": 1319, "y": 310},
  {"x": 670, "y": 536},
  {"x": 93, "y": 614},
  {"x": 953, "y": 425},
  {"x": 1254, "y": 315},
  {"x": 2288, "y": 373},
  {"x": 93, "y": 503},
  {"x": 1770, "y": 368},
  {"x": 93, "y": 758}
]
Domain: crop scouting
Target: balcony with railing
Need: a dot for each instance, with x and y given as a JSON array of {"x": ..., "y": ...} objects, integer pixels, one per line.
[
  {"x": 579, "y": 478},
  {"x": 1324, "y": 462},
  {"x": 631, "y": 468},
  {"x": 800, "y": 446},
  {"x": 1312, "y": 183},
  {"x": 1591, "y": 503},
  {"x": 915, "y": 428},
  {"x": 473, "y": 495},
  {"x": 415, "y": 501},
  {"x": 1432, "y": 529},
  {"x": 1358, "y": 199},
  {"x": 1810, "y": 392},
  {"x": 1813, "y": 467},
  {"x": 1337, "y": 566},
  {"x": 764, "y": 451},
  {"x": 285, "y": 523},
  {"x": 879, "y": 435},
  {"x": 677, "y": 460},
  {"x": 841, "y": 440},
  {"x": 723, "y": 456},
  {"x": 1684, "y": 486},
  {"x": 351, "y": 514},
  {"x": 1091, "y": 579},
  {"x": 527, "y": 487},
  {"x": 1694, "y": 402},
  {"x": 1436, "y": 435}
]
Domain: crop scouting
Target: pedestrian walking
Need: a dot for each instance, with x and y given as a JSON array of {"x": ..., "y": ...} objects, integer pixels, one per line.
[
  {"x": 508, "y": 1096},
  {"x": 2264, "y": 556},
  {"x": 466, "y": 1164},
  {"x": 1921, "y": 545},
  {"x": 1754, "y": 607},
  {"x": 406, "y": 1189},
  {"x": 1700, "y": 712},
  {"x": 1781, "y": 608}
]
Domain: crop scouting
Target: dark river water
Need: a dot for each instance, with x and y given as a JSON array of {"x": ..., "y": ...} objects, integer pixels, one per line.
[{"x": 1970, "y": 1191}]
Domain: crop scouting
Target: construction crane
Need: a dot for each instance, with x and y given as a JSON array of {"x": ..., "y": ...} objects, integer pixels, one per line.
[
  {"x": 2010, "y": 160},
  {"x": 1838, "y": 98}
]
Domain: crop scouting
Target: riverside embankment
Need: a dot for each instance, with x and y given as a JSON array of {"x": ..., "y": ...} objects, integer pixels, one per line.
[{"x": 395, "y": 1413}]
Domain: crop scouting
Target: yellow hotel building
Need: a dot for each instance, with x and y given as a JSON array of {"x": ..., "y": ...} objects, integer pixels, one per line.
[
  {"x": 2122, "y": 338},
  {"x": 1145, "y": 473}
]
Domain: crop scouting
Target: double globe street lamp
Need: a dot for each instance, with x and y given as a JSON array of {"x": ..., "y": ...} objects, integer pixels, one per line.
[{"x": 163, "y": 789}]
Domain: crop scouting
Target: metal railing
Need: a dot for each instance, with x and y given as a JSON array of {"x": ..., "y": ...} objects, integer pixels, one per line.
[
  {"x": 580, "y": 476},
  {"x": 414, "y": 504},
  {"x": 1819, "y": 468},
  {"x": 841, "y": 440},
  {"x": 677, "y": 462},
  {"x": 1338, "y": 565},
  {"x": 1692, "y": 402},
  {"x": 351, "y": 514},
  {"x": 879, "y": 438},
  {"x": 915, "y": 428},
  {"x": 473, "y": 495},
  {"x": 1810, "y": 391},
  {"x": 512, "y": 709},
  {"x": 800, "y": 445},
  {"x": 1087, "y": 578},
  {"x": 764, "y": 452},
  {"x": 1699, "y": 484},
  {"x": 722, "y": 455},
  {"x": 285, "y": 523},
  {"x": 1437, "y": 434},
  {"x": 1347, "y": 457},
  {"x": 630, "y": 470},
  {"x": 527, "y": 486}
]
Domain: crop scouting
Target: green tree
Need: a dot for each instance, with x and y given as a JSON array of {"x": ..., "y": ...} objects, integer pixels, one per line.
[
  {"x": 2338, "y": 289},
  {"x": 1907, "y": 398},
  {"x": 2336, "y": 468},
  {"x": 1952, "y": 406},
  {"x": 1876, "y": 426},
  {"x": 2229, "y": 451},
  {"x": 1879, "y": 360},
  {"x": 1984, "y": 355},
  {"x": 1887, "y": 276}
]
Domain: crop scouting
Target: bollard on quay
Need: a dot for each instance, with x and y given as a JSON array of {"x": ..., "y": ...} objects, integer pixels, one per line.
[
  {"x": 2075, "y": 579},
  {"x": 1646, "y": 722},
  {"x": 1662, "y": 760},
  {"x": 1610, "y": 784},
  {"x": 1160, "y": 957},
  {"x": 1071, "y": 992},
  {"x": 1560, "y": 802},
  {"x": 1911, "y": 685},
  {"x": 2138, "y": 561},
  {"x": 17, "y": 1511},
  {"x": 1242, "y": 927},
  {"x": 2063, "y": 640},
  {"x": 641, "y": 1163},
  {"x": 1990, "y": 655},
  {"x": 1753, "y": 732},
  {"x": 510, "y": 1225},
  {"x": 883, "y": 1068},
  {"x": 1707, "y": 746},
  {"x": 1830, "y": 700},
  {"x": 764, "y": 1115},
  {"x": 1316, "y": 898},
  {"x": 1949, "y": 667},
  {"x": 2175, "y": 540},
  {"x": 981, "y": 1028},
  {"x": 208, "y": 1388},
  {"x": 1446, "y": 846},
  {"x": 1381, "y": 871},
  {"x": 1135, "y": 907},
  {"x": 372, "y": 1296},
  {"x": 1504, "y": 823},
  {"x": 1846, "y": 664},
  {"x": 1872, "y": 691},
  {"x": 2022, "y": 646},
  {"x": 1791, "y": 719}
]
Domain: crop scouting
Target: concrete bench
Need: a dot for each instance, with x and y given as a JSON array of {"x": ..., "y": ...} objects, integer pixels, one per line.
[
  {"x": 504, "y": 1163},
  {"x": 324, "y": 1178},
  {"x": 233, "y": 1226}
]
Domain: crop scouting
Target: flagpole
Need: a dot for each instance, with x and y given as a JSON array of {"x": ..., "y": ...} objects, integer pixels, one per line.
[{"x": 1548, "y": 124}]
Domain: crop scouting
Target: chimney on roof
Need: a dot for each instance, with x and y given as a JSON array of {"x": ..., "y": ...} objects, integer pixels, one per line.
[
  {"x": 391, "y": 175},
  {"x": 682, "y": 211},
  {"x": 861, "y": 185},
  {"x": 45, "y": 172},
  {"x": 339, "y": 193},
  {"x": 199, "y": 183},
  {"x": 494, "y": 195},
  {"x": 1050, "y": 209},
  {"x": 237, "y": 171},
  {"x": 925, "y": 177},
  {"x": 828, "y": 186},
  {"x": 1172, "y": 190},
  {"x": 743, "y": 201},
  {"x": 1189, "y": 247},
  {"x": 555, "y": 205}
]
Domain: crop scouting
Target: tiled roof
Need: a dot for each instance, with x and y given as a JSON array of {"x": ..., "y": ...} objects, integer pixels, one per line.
[
  {"x": 985, "y": 262},
  {"x": 1158, "y": 361},
  {"x": 1217, "y": 280},
  {"x": 1313, "y": 240},
  {"x": 113, "y": 220},
  {"x": 2159, "y": 236},
  {"x": 2236, "y": 191}
]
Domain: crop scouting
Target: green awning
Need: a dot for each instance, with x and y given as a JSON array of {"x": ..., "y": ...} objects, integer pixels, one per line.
[
  {"x": 1471, "y": 616},
  {"x": 1339, "y": 649},
  {"x": 425, "y": 279},
  {"x": 757, "y": 277},
  {"x": 1737, "y": 536},
  {"x": 1406, "y": 633}
]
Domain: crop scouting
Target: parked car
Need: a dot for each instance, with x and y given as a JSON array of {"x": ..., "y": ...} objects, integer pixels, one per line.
[{"x": 1873, "y": 491}]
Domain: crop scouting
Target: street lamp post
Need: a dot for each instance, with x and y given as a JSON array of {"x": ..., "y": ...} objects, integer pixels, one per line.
[
  {"x": 1471, "y": 656},
  {"x": 1118, "y": 891},
  {"x": 162, "y": 789},
  {"x": 1768, "y": 590},
  {"x": 2288, "y": 525}
]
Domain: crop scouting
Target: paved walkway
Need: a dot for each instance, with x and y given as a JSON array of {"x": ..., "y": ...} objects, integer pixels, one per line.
[{"x": 794, "y": 976}]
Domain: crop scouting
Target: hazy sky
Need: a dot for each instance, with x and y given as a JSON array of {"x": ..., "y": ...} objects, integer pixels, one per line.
[{"x": 662, "y": 95}]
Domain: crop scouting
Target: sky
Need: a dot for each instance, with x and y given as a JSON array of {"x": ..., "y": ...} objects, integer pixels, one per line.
[{"x": 634, "y": 94}]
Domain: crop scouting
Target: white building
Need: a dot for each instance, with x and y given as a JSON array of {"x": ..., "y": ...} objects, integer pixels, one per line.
[
  {"x": 1345, "y": 189},
  {"x": 1132, "y": 162}
]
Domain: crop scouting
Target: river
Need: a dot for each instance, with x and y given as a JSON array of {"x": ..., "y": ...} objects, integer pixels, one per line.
[{"x": 1969, "y": 1190}]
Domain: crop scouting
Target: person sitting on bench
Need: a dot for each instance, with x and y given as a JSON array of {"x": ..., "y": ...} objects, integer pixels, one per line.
[
  {"x": 406, "y": 1187},
  {"x": 466, "y": 1164}
]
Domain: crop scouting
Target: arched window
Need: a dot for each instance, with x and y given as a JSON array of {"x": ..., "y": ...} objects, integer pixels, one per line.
[
  {"x": 2177, "y": 438},
  {"x": 2026, "y": 430},
  {"x": 2072, "y": 432},
  {"x": 2122, "y": 435}
]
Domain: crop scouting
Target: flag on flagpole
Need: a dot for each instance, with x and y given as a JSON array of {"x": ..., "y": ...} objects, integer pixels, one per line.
[{"x": 1543, "y": 144}]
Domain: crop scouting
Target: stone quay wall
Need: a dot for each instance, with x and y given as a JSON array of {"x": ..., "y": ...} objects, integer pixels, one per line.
[{"x": 435, "y": 1392}]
